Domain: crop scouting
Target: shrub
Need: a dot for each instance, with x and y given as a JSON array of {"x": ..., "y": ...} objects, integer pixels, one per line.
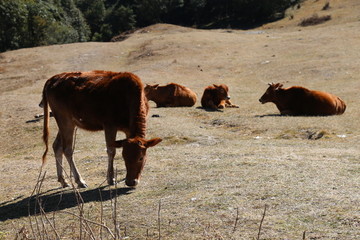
[
  {"x": 326, "y": 6},
  {"x": 314, "y": 20},
  {"x": 30, "y": 23}
]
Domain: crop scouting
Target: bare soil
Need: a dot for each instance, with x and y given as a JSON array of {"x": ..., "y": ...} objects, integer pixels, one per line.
[{"x": 215, "y": 171}]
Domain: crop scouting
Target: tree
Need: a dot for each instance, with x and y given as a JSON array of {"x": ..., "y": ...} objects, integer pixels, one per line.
[
  {"x": 156, "y": 11},
  {"x": 13, "y": 27},
  {"x": 29, "y": 23},
  {"x": 94, "y": 12}
]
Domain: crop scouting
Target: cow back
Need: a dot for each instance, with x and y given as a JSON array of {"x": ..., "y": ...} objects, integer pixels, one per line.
[
  {"x": 302, "y": 101},
  {"x": 98, "y": 98},
  {"x": 171, "y": 95}
]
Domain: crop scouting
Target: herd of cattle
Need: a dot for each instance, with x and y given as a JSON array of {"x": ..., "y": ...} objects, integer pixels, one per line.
[{"x": 118, "y": 101}]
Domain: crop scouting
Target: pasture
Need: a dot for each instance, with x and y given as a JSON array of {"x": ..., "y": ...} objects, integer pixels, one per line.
[{"x": 215, "y": 171}]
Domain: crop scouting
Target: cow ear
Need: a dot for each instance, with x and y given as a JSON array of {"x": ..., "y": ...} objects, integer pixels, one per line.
[
  {"x": 278, "y": 86},
  {"x": 152, "y": 142},
  {"x": 119, "y": 143}
]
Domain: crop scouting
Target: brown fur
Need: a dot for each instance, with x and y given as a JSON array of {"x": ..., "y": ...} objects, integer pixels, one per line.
[
  {"x": 170, "y": 95},
  {"x": 98, "y": 100},
  {"x": 302, "y": 101},
  {"x": 216, "y": 96}
]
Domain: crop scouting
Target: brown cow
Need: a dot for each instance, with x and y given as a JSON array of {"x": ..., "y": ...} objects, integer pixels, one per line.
[
  {"x": 170, "y": 95},
  {"x": 98, "y": 100},
  {"x": 301, "y": 101},
  {"x": 216, "y": 96}
]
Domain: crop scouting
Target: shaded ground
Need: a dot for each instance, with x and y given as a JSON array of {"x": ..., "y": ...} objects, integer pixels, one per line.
[{"x": 212, "y": 167}]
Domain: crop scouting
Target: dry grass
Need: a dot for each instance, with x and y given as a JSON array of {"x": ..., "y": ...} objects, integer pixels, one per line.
[{"x": 215, "y": 171}]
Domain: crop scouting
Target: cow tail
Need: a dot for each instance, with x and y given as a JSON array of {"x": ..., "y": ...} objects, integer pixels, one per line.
[{"x": 45, "y": 136}]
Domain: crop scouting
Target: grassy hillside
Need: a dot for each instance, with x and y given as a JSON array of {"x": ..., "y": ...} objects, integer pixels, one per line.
[{"x": 214, "y": 172}]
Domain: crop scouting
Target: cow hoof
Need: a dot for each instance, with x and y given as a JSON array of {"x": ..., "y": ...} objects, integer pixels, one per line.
[
  {"x": 111, "y": 182},
  {"x": 63, "y": 183},
  {"x": 82, "y": 185}
]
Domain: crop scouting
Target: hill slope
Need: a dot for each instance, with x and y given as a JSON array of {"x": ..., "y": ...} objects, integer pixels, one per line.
[{"x": 210, "y": 164}]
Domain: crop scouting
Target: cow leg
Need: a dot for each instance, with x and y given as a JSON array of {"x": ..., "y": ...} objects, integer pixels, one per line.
[
  {"x": 222, "y": 104},
  {"x": 110, "y": 137},
  {"x": 230, "y": 105},
  {"x": 67, "y": 136},
  {"x": 58, "y": 150},
  {"x": 211, "y": 105}
]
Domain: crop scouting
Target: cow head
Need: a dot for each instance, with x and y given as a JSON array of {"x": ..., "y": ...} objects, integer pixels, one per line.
[
  {"x": 134, "y": 154},
  {"x": 222, "y": 91},
  {"x": 270, "y": 94},
  {"x": 150, "y": 90}
]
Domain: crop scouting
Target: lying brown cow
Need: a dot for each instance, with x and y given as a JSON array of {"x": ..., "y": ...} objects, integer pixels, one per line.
[
  {"x": 301, "y": 101},
  {"x": 216, "y": 96},
  {"x": 98, "y": 100},
  {"x": 170, "y": 95}
]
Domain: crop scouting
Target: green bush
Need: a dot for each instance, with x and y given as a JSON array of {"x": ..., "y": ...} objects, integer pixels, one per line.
[
  {"x": 29, "y": 23},
  {"x": 13, "y": 24}
]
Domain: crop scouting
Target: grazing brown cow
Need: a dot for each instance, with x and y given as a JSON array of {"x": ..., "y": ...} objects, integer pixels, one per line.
[
  {"x": 98, "y": 100},
  {"x": 216, "y": 96},
  {"x": 170, "y": 95},
  {"x": 301, "y": 101}
]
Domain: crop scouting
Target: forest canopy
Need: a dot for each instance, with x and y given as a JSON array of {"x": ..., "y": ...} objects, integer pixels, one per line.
[{"x": 29, "y": 23}]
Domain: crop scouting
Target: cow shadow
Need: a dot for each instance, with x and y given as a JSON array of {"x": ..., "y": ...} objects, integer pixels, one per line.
[
  {"x": 285, "y": 115},
  {"x": 209, "y": 109},
  {"x": 270, "y": 115},
  {"x": 55, "y": 201}
]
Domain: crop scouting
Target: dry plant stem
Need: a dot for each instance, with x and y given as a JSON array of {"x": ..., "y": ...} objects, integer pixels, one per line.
[
  {"x": 261, "y": 222},
  {"x": 117, "y": 230},
  {"x": 79, "y": 198},
  {"x": 236, "y": 219},
  {"x": 35, "y": 207},
  {"x": 44, "y": 231},
  {"x": 89, "y": 221},
  {"x": 43, "y": 214},
  {"x": 159, "y": 219},
  {"x": 101, "y": 214},
  {"x": 29, "y": 203}
]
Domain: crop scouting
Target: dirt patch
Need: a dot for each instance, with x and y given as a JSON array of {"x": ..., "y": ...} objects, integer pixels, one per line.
[{"x": 309, "y": 134}]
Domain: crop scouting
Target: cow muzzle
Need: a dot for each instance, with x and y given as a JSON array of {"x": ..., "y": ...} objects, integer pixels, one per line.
[
  {"x": 131, "y": 182},
  {"x": 227, "y": 97}
]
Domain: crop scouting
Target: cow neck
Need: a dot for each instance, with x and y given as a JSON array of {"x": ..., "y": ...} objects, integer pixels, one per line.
[
  {"x": 279, "y": 101},
  {"x": 139, "y": 128},
  {"x": 138, "y": 125}
]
